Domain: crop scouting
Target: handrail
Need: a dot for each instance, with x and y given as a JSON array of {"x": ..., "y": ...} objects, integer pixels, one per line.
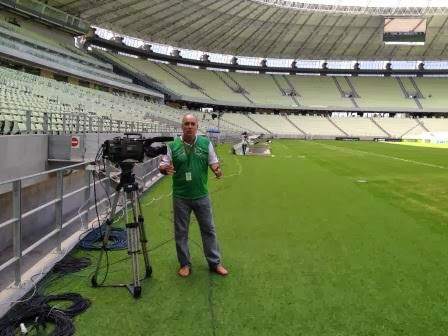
[
  {"x": 45, "y": 172},
  {"x": 60, "y": 223}
]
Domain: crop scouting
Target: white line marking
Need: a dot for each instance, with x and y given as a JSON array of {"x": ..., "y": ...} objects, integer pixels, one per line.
[
  {"x": 360, "y": 152},
  {"x": 240, "y": 169}
]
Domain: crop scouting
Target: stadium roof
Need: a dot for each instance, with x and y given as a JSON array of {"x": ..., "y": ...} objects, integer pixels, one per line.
[{"x": 270, "y": 28}]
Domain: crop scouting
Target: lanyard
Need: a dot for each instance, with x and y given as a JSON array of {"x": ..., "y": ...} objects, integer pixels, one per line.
[{"x": 188, "y": 151}]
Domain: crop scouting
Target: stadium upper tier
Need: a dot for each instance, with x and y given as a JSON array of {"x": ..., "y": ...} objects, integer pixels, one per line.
[
  {"x": 255, "y": 28},
  {"x": 49, "y": 48},
  {"x": 290, "y": 91}
]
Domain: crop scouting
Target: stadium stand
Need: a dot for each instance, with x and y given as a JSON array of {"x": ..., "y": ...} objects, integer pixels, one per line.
[
  {"x": 313, "y": 125},
  {"x": 398, "y": 127},
  {"x": 359, "y": 127},
  {"x": 434, "y": 92},
  {"x": 23, "y": 93},
  {"x": 262, "y": 90},
  {"x": 280, "y": 91},
  {"x": 211, "y": 82},
  {"x": 243, "y": 121},
  {"x": 380, "y": 91},
  {"x": 435, "y": 124},
  {"x": 276, "y": 124},
  {"x": 318, "y": 91},
  {"x": 45, "y": 36},
  {"x": 157, "y": 72}
]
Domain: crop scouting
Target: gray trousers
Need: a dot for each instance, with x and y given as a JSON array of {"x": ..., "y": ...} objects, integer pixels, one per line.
[{"x": 202, "y": 209}]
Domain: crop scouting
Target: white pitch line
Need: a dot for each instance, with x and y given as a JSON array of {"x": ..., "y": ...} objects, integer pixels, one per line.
[
  {"x": 240, "y": 169},
  {"x": 356, "y": 151}
]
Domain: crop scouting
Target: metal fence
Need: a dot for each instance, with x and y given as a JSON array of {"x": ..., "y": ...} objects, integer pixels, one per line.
[
  {"x": 29, "y": 122},
  {"x": 145, "y": 173}
]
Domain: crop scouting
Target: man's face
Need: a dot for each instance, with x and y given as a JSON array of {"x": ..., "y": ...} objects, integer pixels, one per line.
[{"x": 189, "y": 126}]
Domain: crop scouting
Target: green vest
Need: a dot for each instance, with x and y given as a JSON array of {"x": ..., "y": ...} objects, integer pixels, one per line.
[{"x": 190, "y": 162}]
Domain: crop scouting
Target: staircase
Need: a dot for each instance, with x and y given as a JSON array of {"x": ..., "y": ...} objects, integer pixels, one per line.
[
  {"x": 422, "y": 125},
  {"x": 183, "y": 79},
  {"x": 283, "y": 92},
  {"x": 417, "y": 89},
  {"x": 297, "y": 127},
  {"x": 288, "y": 93},
  {"x": 381, "y": 128},
  {"x": 417, "y": 102},
  {"x": 256, "y": 122},
  {"x": 403, "y": 89},
  {"x": 352, "y": 87},
  {"x": 291, "y": 86},
  {"x": 335, "y": 125},
  {"x": 236, "y": 87},
  {"x": 411, "y": 95},
  {"x": 336, "y": 82},
  {"x": 346, "y": 94},
  {"x": 355, "y": 104}
]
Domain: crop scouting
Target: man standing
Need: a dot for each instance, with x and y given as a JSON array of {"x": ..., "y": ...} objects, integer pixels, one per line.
[
  {"x": 245, "y": 142},
  {"x": 187, "y": 160}
]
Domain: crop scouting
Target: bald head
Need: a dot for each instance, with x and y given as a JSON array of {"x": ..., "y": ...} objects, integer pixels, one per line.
[
  {"x": 189, "y": 127},
  {"x": 189, "y": 117}
]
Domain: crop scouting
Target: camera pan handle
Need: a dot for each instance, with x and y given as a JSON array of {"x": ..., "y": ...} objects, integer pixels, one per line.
[{"x": 132, "y": 133}]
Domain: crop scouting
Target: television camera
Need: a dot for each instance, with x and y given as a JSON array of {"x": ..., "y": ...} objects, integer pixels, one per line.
[
  {"x": 125, "y": 152},
  {"x": 133, "y": 148}
]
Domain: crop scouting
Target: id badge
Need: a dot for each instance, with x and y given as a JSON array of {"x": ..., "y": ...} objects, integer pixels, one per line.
[{"x": 188, "y": 176}]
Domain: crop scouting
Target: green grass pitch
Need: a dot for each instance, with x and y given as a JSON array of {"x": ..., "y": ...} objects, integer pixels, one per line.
[{"x": 326, "y": 238}]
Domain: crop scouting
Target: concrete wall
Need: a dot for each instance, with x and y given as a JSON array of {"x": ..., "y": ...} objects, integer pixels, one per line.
[{"x": 22, "y": 155}]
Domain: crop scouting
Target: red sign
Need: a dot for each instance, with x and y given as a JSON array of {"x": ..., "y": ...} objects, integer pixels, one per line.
[{"x": 75, "y": 142}]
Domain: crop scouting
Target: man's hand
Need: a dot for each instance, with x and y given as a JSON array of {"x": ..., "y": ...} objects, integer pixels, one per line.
[
  {"x": 167, "y": 169},
  {"x": 216, "y": 170}
]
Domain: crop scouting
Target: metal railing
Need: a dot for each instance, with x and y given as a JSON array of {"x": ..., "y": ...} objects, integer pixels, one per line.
[
  {"x": 28, "y": 122},
  {"x": 144, "y": 172}
]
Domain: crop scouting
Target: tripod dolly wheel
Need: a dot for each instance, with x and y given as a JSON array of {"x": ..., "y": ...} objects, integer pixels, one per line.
[{"x": 137, "y": 292}]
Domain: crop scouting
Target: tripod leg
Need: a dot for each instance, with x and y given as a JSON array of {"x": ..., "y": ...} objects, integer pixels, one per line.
[
  {"x": 109, "y": 222},
  {"x": 143, "y": 238},
  {"x": 133, "y": 249}
]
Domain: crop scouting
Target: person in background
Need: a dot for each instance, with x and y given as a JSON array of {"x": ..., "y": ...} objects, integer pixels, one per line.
[{"x": 245, "y": 142}]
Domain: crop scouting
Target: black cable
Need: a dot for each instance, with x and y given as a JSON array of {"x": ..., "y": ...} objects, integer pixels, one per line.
[
  {"x": 36, "y": 310},
  {"x": 78, "y": 306},
  {"x": 105, "y": 188},
  {"x": 37, "y": 313},
  {"x": 93, "y": 240},
  {"x": 96, "y": 203},
  {"x": 160, "y": 245},
  {"x": 70, "y": 265}
]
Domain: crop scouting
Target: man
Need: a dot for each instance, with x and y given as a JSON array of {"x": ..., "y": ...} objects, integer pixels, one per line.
[
  {"x": 245, "y": 142},
  {"x": 187, "y": 160}
]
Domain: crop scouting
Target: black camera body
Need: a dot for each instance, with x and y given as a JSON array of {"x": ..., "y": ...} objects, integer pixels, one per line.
[{"x": 133, "y": 148}]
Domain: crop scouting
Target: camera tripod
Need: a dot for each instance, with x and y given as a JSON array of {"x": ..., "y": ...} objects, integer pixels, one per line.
[{"x": 136, "y": 236}]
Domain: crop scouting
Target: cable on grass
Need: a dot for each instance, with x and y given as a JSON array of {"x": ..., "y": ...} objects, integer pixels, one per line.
[
  {"x": 37, "y": 313},
  {"x": 71, "y": 264},
  {"x": 94, "y": 239}
]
